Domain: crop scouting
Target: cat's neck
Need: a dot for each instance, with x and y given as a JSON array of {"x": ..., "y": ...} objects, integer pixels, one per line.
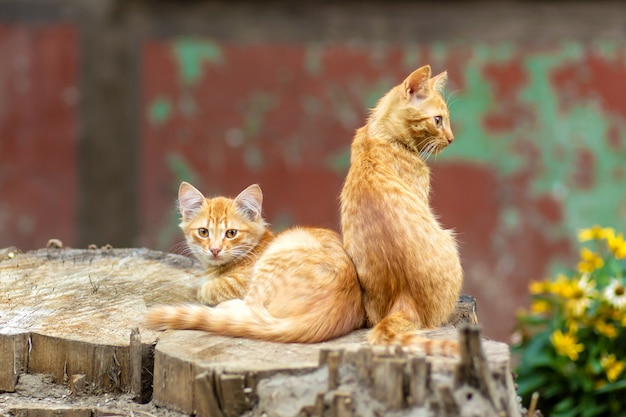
[
  {"x": 387, "y": 121},
  {"x": 406, "y": 163}
]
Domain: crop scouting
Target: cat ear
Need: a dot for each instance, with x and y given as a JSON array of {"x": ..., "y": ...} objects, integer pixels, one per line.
[
  {"x": 438, "y": 82},
  {"x": 250, "y": 201},
  {"x": 189, "y": 200},
  {"x": 416, "y": 84}
]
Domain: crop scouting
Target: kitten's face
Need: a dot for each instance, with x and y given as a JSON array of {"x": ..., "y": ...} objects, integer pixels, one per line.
[
  {"x": 429, "y": 122},
  {"x": 221, "y": 230},
  {"x": 428, "y": 117},
  {"x": 422, "y": 120}
]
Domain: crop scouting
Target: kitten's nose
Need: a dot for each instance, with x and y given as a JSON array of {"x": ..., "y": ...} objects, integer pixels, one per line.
[
  {"x": 215, "y": 251},
  {"x": 450, "y": 139}
]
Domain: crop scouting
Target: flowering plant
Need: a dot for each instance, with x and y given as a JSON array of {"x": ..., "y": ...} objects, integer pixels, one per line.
[{"x": 572, "y": 341}]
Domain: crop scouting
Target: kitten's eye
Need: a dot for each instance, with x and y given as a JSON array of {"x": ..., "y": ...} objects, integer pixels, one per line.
[
  {"x": 203, "y": 232},
  {"x": 438, "y": 120},
  {"x": 230, "y": 233}
]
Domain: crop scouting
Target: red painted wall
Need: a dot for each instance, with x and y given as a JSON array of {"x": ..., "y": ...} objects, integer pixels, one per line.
[{"x": 38, "y": 134}]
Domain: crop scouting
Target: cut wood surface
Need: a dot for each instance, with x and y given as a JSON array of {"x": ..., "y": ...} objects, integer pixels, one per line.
[
  {"x": 77, "y": 315},
  {"x": 187, "y": 358},
  {"x": 71, "y": 312}
]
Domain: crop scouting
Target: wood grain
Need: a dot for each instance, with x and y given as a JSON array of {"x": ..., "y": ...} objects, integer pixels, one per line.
[{"x": 69, "y": 312}]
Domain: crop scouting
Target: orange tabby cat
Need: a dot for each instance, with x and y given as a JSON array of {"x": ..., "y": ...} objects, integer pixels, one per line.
[
  {"x": 407, "y": 264},
  {"x": 301, "y": 285},
  {"x": 224, "y": 235}
]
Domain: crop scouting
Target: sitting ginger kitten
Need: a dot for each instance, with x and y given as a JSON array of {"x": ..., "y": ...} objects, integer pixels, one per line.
[
  {"x": 408, "y": 265},
  {"x": 297, "y": 286}
]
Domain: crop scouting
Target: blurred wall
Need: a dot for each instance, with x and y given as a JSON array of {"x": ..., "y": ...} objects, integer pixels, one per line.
[{"x": 105, "y": 106}]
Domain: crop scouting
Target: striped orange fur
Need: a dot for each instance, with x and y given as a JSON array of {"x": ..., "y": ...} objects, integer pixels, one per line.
[
  {"x": 408, "y": 265},
  {"x": 300, "y": 285}
]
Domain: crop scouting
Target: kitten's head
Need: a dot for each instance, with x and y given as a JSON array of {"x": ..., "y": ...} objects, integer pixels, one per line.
[
  {"x": 415, "y": 113},
  {"x": 221, "y": 230}
]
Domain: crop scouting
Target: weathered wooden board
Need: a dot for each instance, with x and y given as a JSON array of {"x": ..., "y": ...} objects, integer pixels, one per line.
[{"x": 71, "y": 312}]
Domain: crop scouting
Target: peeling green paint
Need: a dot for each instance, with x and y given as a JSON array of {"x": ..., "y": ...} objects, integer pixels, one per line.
[
  {"x": 191, "y": 54},
  {"x": 608, "y": 50},
  {"x": 182, "y": 171},
  {"x": 474, "y": 142},
  {"x": 257, "y": 107},
  {"x": 253, "y": 157},
  {"x": 439, "y": 52},
  {"x": 187, "y": 105},
  {"x": 291, "y": 152},
  {"x": 339, "y": 162},
  {"x": 377, "y": 91},
  {"x": 411, "y": 57},
  {"x": 159, "y": 111},
  {"x": 377, "y": 54},
  {"x": 557, "y": 132},
  {"x": 313, "y": 60},
  {"x": 311, "y": 106},
  {"x": 583, "y": 126},
  {"x": 282, "y": 220}
]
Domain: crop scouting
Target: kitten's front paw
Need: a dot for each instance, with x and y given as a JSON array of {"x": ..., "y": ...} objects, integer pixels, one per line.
[{"x": 207, "y": 297}]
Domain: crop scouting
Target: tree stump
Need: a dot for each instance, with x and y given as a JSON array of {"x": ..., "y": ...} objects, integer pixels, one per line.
[
  {"x": 77, "y": 316},
  {"x": 69, "y": 312}
]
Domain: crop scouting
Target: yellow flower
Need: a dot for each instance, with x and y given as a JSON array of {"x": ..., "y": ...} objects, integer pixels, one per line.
[
  {"x": 540, "y": 306},
  {"x": 617, "y": 246},
  {"x": 612, "y": 367},
  {"x": 561, "y": 286},
  {"x": 572, "y": 326},
  {"x": 565, "y": 345},
  {"x": 590, "y": 261},
  {"x": 606, "y": 329},
  {"x": 538, "y": 287},
  {"x": 595, "y": 233},
  {"x": 579, "y": 295}
]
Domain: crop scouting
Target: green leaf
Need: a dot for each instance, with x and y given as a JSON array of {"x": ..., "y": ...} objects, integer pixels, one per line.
[
  {"x": 538, "y": 352},
  {"x": 534, "y": 320},
  {"x": 592, "y": 409},
  {"x": 531, "y": 382},
  {"x": 564, "y": 408},
  {"x": 556, "y": 389}
]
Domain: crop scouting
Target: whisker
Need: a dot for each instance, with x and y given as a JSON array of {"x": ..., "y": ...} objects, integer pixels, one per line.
[
  {"x": 449, "y": 101},
  {"x": 429, "y": 147},
  {"x": 181, "y": 247}
]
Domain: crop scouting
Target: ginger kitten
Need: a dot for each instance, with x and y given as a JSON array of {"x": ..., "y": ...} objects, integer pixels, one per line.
[
  {"x": 225, "y": 236},
  {"x": 407, "y": 264},
  {"x": 299, "y": 286}
]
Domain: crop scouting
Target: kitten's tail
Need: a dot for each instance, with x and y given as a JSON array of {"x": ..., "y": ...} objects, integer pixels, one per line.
[
  {"x": 392, "y": 331},
  {"x": 236, "y": 318},
  {"x": 415, "y": 343}
]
